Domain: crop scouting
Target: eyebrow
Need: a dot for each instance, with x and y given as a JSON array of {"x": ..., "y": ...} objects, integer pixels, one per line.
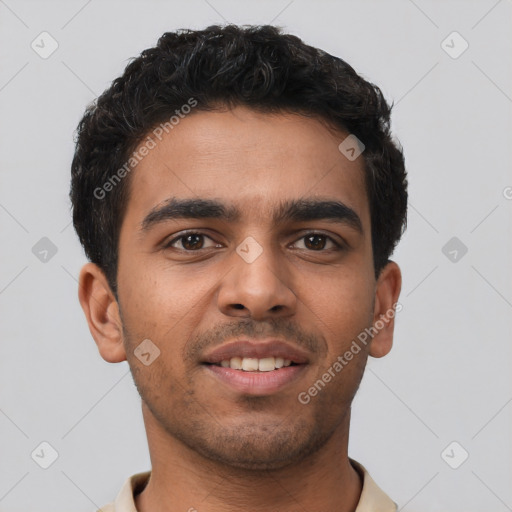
[{"x": 296, "y": 210}]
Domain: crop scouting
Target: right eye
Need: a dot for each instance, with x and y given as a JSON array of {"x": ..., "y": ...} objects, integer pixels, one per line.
[{"x": 190, "y": 241}]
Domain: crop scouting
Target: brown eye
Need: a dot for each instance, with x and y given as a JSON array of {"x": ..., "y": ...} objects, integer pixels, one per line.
[
  {"x": 318, "y": 242},
  {"x": 315, "y": 241},
  {"x": 190, "y": 242}
]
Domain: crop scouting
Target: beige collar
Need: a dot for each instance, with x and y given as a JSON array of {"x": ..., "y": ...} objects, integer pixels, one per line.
[{"x": 372, "y": 499}]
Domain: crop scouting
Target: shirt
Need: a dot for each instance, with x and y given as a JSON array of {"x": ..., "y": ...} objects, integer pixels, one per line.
[{"x": 372, "y": 498}]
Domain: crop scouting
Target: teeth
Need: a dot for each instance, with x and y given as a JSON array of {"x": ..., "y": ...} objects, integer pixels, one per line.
[
  {"x": 252, "y": 364},
  {"x": 249, "y": 364},
  {"x": 235, "y": 363},
  {"x": 267, "y": 364}
]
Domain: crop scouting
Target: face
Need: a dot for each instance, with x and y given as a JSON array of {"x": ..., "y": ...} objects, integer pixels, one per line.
[{"x": 273, "y": 262}]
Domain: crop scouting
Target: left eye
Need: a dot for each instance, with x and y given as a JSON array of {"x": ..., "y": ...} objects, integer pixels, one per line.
[
  {"x": 190, "y": 241},
  {"x": 317, "y": 242}
]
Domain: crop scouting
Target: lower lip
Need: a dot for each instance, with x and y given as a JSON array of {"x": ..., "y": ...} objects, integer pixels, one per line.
[{"x": 257, "y": 383}]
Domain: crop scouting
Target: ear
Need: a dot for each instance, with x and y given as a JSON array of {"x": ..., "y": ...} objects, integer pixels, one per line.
[
  {"x": 387, "y": 291},
  {"x": 102, "y": 313}
]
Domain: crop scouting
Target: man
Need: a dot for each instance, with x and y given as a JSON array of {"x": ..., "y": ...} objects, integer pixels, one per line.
[{"x": 238, "y": 195}]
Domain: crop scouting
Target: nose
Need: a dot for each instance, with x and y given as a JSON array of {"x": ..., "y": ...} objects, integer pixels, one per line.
[{"x": 259, "y": 289}]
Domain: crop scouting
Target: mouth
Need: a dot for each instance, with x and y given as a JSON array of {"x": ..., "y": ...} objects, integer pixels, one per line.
[
  {"x": 254, "y": 364},
  {"x": 257, "y": 369}
]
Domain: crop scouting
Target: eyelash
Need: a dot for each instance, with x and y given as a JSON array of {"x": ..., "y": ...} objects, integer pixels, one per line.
[{"x": 168, "y": 245}]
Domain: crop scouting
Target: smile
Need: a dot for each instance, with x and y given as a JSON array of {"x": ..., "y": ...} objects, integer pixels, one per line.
[
  {"x": 256, "y": 382},
  {"x": 253, "y": 364}
]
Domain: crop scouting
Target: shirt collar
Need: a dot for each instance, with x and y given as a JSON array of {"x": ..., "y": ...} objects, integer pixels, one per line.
[{"x": 373, "y": 498}]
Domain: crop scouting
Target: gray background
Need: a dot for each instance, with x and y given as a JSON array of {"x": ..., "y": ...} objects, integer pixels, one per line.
[{"x": 448, "y": 376}]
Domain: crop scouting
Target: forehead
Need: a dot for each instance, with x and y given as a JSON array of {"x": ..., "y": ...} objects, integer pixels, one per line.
[{"x": 250, "y": 160}]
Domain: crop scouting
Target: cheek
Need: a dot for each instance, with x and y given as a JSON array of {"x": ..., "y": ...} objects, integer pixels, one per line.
[
  {"x": 148, "y": 294},
  {"x": 342, "y": 302},
  {"x": 162, "y": 303}
]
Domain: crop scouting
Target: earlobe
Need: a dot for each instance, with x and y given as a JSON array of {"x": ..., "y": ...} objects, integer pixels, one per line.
[
  {"x": 102, "y": 313},
  {"x": 387, "y": 292}
]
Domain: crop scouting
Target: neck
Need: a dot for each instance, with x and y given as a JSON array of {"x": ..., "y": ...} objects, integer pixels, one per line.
[{"x": 183, "y": 480}]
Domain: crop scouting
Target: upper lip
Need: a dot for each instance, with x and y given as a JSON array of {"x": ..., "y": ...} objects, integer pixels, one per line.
[{"x": 257, "y": 349}]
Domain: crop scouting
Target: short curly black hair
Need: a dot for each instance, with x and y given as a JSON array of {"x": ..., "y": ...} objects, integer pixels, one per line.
[{"x": 254, "y": 66}]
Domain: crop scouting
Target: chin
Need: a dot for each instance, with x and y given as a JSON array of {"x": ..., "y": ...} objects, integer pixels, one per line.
[{"x": 258, "y": 448}]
